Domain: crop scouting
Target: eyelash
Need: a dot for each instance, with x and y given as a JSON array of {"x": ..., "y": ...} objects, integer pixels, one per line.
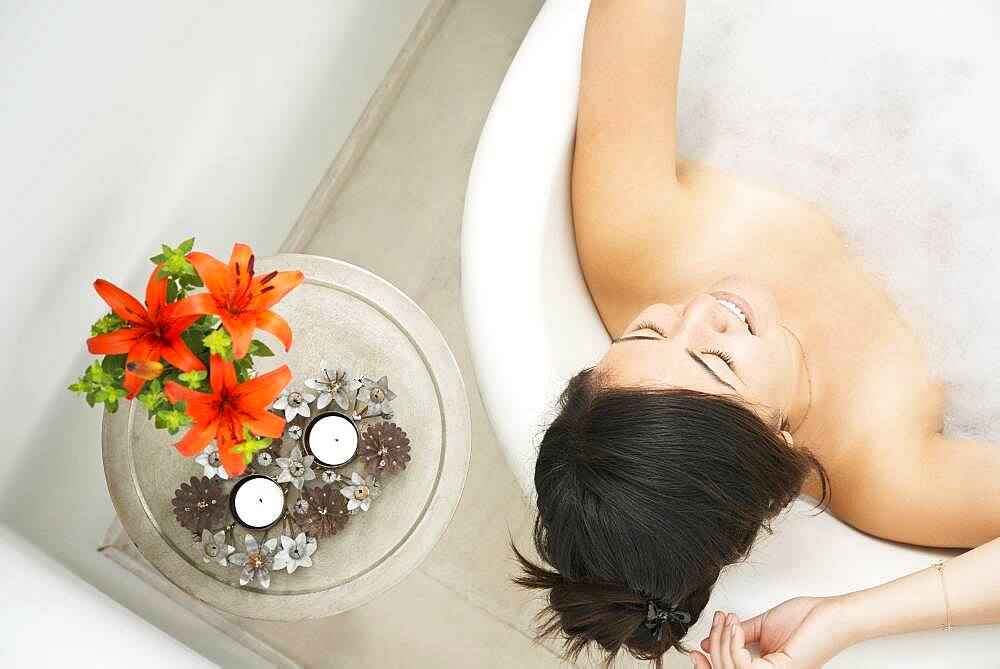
[{"x": 655, "y": 328}]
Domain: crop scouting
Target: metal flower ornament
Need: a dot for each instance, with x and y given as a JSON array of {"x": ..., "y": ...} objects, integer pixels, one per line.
[{"x": 306, "y": 496}]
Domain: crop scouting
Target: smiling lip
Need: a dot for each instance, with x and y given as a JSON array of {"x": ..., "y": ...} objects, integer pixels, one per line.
[{"x": 742, "y": 304}]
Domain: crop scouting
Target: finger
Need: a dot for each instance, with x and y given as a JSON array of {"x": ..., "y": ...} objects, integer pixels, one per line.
[
  {"x": 705, "y": 643},
  {"x": 752, "y": 628},
  {"x": 699, "y": 660},
  {"x": 725, "y": 643},
  {"x": 715, "y": 638},
  {"x": 741, "y": 656}
]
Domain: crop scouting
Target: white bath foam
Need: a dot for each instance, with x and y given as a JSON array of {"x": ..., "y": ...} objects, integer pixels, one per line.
[{"x": 888, "y": 114}]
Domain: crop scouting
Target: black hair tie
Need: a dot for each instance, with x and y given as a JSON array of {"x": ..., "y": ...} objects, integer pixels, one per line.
[{"x": 656, "y": 616}]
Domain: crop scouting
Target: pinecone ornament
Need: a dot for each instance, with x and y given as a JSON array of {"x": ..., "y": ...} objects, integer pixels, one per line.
[
  {"x": 385, "y": 448},
  {"x": 198, "y": 505},
  {"x": 326, "y": 511}
]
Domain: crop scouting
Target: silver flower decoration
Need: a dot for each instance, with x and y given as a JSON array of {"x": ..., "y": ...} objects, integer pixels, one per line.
[
  {"x": 294, "y": 432},
  {"x": 256, "y": 562},
  {"x": 265, "y": 459},
  {"x": 296, "y": 468},
  {"x": 329, "y": 476},
  {"x": 334, "y": 383},
  {"x": 211, "y": 461},
  {"x": 213, "y": 547},
  {"x": 375, "y": 396},
  {"x": 361, "y": 491},
  {"x": 295, "y": 552},
  {"x": 301, "y": 505},
  {"x": 294, "y": 402}
]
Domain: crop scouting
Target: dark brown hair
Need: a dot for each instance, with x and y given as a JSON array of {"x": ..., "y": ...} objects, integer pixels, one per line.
[{"x": 649, "y": 490}]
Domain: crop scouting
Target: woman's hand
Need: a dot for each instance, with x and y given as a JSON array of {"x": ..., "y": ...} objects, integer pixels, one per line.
[{"x": 799, "y": 633}]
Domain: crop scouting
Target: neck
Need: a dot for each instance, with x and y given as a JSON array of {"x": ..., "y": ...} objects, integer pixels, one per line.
[{"x": 803, "y": 397}]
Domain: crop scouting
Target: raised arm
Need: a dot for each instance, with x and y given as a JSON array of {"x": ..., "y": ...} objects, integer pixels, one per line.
[{"x": 625, "y": 189}]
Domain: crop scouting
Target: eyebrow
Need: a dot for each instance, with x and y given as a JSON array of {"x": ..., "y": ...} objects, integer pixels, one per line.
[{"x": 694, "y": 356}]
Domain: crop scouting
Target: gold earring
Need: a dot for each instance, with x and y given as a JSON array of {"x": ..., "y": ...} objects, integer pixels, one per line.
[{"x": 788, "y": 438}]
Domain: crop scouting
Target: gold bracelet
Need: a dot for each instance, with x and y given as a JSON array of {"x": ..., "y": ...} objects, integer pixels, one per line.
[{"x": 940, "y": 567}]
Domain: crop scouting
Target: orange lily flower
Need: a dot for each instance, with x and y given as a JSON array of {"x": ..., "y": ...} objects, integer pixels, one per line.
[
  {"x": 222, "y": 413},
  {"x": 155, "y": 331},
  {"x": 240, "y": 299}
]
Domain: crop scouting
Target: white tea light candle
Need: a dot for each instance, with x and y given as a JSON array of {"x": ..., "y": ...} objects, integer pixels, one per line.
[
  {"x": 332, "y": 438},
  {"x": 257, "y": 502}
]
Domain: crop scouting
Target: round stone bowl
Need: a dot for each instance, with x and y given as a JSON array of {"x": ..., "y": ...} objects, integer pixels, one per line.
[{"x": 351, "y": 318}]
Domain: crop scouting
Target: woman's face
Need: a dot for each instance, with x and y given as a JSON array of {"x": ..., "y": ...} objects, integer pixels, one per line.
[{"x": 670, "y": 345}]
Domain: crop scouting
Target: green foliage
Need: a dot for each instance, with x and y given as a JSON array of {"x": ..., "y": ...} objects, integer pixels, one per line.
[
  {"x": 102, "y": 382},
  {"x": 259, "y": 349},
  {"x": 172, "y": 419},
  {"x": 250, "y": 445},
  {"x": 193, "y": 380},
  {"x": 109, "y": 322},
  {"x": 181, "y": 273},
  {"x": 153, "y": 397},
  {"x": 218, "y": 342}
]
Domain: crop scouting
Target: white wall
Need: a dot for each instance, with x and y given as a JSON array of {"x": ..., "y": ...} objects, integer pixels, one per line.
[{"x": 124, "y": 124}]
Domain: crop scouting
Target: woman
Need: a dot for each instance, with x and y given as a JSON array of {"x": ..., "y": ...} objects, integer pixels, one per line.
[{"x": 723, "y": 399}]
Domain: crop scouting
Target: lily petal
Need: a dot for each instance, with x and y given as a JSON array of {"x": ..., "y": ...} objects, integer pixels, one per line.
[
  {"x": 123, "y": 304},
  {"x": 276, "y": 325},
  {"x": 156, "y": 293},
  {"x": 119, "y": 341},
  {"x": 266, "y": 295},
  {"x": 146, "y": 348},
  {"x": 240, "y": 327},
  {"x": 196, "y": 439},
  {"x": 177, "y": 325},
  {"x": 177, "y": 353},
  {"x": 260, "y": 391},
  {"x": 222, "y": 375},
  {"x": 195, "y": 305},
  {"x": 214, "y": 274},
  {"x": 227, "y": 438},
  {"x": 239, "y": 268},
  {"x": 264, "y": 424},
  {"x": 175, "y": 392}
]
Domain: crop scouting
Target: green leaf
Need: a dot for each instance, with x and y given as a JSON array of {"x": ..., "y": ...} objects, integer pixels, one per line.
[
  {"x": 194, "y": 379},
  {"x": 111, "y": 405},
  {"x": 114, "y": 367},
  {"x": 109, "y": 322},
  {"x": 175, "y": 264},
  {"x": 260, "y": 349},
  {"x": 173, "y": 419},
  {"x": 250, "y": 445},
  {"x": 90, "y": 398},
  {"x": 219, "y": 343},
  {"x": 152, "y": 397}
]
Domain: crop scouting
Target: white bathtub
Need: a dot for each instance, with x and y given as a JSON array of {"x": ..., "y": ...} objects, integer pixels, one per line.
[{"x": 860, "y": 105}]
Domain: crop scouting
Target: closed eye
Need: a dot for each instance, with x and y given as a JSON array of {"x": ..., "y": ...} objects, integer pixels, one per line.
[{"x": 725, "y": 357}]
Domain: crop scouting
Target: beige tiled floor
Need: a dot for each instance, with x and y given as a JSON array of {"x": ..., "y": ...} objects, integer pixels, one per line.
[{"x": 400, "y": 217}]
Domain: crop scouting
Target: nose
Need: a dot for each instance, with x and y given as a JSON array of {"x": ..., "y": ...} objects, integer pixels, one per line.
[{"x": 704, "y": 311}]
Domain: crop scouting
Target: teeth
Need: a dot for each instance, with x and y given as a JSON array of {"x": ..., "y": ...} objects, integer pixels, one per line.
[{"x": 733, "y": 308}]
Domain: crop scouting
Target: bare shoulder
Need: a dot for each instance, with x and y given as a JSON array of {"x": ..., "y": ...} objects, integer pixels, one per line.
[
  {"x": 715, "y": 223},
  {"x": 922, "y": 489}
]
